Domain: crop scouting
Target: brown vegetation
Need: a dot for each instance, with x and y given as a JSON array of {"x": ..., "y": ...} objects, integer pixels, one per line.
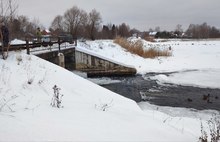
[
  {"x": 137, "y": 48},
  {"x": 149, "y": 38}
]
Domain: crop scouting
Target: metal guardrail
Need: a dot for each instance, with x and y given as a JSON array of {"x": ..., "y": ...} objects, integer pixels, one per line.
[{"x": 31, "y": 45}]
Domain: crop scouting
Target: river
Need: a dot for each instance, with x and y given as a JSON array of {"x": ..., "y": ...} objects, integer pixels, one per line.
[{"x": 139, "y": 89}]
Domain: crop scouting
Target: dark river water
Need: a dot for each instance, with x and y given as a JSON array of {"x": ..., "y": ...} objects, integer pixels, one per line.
[{"x": 139, "y": 89}]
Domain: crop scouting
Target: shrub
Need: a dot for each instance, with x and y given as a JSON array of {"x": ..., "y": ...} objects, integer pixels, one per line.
[
  {"x": 136, "y": 47},
  {"x": 214, "y": 130}
]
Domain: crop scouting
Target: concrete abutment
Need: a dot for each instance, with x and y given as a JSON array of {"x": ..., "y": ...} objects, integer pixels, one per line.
[{"x": 94, "y": 66}]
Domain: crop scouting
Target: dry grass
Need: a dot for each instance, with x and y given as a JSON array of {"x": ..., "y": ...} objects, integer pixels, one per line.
[
  {"x": 150, "y": 39},
  {"x": 137, "y": 48}
]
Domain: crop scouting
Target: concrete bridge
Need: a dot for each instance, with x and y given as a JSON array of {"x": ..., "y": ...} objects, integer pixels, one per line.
[
  {"x": 100, "y": 66},
  {"x": 72, "y": 58}
]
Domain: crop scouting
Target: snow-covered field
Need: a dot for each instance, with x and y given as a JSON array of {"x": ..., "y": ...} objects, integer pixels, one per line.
[{"x": 26, "y": 84}]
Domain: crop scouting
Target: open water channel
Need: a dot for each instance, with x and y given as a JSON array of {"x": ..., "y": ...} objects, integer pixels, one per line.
[{"x": 139, "y": 89}]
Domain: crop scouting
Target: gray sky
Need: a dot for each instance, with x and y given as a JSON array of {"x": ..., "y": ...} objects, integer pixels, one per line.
[{"x": 139, "y": 14}]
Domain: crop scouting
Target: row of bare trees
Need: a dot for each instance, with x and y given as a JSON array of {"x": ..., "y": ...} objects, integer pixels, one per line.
[
  {"x": 19, "y": 26},
  {"x": 111, "y": 31},
  {"x": 78, "y": 22},
  {"x": 202, "y": 31},
  {"x": 8, "y": 9},
  {"x": 196, "y": 31}
]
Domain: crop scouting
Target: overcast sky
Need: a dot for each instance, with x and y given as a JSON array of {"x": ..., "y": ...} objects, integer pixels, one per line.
[{"x": 139, "y": 14}]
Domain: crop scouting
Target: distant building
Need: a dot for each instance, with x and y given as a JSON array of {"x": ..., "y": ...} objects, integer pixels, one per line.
[
  {"x": 152, "y": 34},
  {"x": 46, "y": 32}
]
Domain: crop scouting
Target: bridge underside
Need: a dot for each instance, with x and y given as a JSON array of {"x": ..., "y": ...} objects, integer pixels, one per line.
[
  {"x": 96, "y": 66},
  {"x": 69, "y": 57},
  {"x": 92, "y": 65}
]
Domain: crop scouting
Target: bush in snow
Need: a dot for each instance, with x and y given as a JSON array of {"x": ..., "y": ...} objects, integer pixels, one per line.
[
  {"x": 204, "y": 135},
  {"x": 57, "y": 97},
  {"x": 214, "y": 129}
]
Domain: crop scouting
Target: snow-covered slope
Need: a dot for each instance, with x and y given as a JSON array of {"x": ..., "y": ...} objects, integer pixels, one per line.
[{"x": 26, "y": 84}]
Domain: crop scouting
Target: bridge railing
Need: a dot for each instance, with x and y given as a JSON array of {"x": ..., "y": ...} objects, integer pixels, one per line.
[{"x": 39, "y": 45}]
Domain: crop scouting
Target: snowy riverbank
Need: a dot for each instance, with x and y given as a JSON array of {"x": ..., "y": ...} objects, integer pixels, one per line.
[{"x": 26, "y": 84}]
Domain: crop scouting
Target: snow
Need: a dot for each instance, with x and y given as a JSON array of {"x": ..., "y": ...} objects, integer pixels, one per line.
[
  {"x": 26, "y": 83},
  {"x": 100, "y": 55},
  {"x": 193, "y": 63},
  {"x": 208, "y": 78},
  {"x": 152, "y": 33},
  {"x": 26, "y": 114},
  {"x": 188, "y": 59},
  {"x": 17, "y": 41}
]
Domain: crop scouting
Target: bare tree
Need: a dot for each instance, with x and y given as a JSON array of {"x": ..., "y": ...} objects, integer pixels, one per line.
[
  {"x": 123, "y": 30},
  {"x": 73, "y": 18},
  {"x": 23, "y": 26},
  {"x": 24, "y": 22},
  {"x": 150, "y": 30},
  {"x": 179, "y": 28},
  {"x": 157, "y": 29},
  {"x": 57, "y": 23},
  {"x": 13, "y": 7},
  {"x": 3, "y": 9},
  {"x": 205, "y": 28},
  {"x": 84, "y": 23},
  {"x": 8, "y": 10},
  {"x": 202, "y": 31},
  {"x": 178, "y": 31},
  {"x": 94, "y": 22}
]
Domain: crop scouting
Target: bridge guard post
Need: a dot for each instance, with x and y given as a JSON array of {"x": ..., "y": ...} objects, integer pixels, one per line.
[
  {"x": 27, "y": 47},
  {"x": 59, "y": 43},
  {"x": 61, "y": 60}
]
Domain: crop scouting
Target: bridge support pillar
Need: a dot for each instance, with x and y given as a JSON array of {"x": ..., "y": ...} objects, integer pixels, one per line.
[{"x": 61, "y": 60}]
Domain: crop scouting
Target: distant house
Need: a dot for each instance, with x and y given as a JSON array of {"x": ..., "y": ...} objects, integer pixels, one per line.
[
  {"x": 46, "y": 32},
  {"x": 152, "y": 34}
]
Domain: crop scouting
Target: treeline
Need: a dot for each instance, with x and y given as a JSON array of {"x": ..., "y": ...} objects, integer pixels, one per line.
[
  {"x": 79, "y": 23},
  {"x": 202, "y": 31},
  {"x": 196, "y": 31},
  {"x": 74, "y": 21}
]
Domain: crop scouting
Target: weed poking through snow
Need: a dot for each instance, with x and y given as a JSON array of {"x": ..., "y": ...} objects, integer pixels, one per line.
[
  {"x": 214, "y": 130},
  {"x": 57, "y": 97},
  {"x": 104, "y": 106}
]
